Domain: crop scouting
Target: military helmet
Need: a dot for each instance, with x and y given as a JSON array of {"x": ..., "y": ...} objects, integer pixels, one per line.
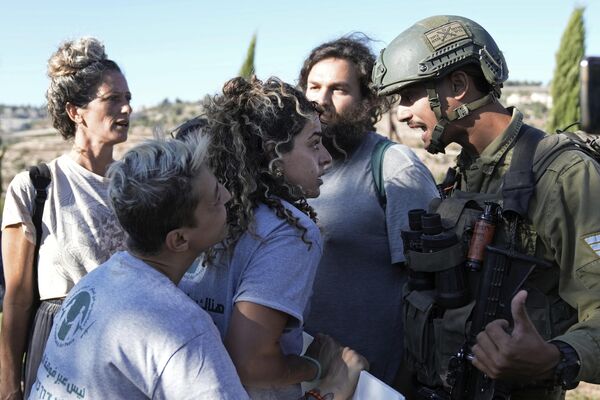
[{"x": 432, "y": 48}]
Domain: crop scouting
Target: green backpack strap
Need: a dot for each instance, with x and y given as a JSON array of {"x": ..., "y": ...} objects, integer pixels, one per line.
[{"x": 377, "y": 169}]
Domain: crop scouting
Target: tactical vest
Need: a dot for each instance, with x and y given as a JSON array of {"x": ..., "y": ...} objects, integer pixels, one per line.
[{"x": 433, "y": 333}]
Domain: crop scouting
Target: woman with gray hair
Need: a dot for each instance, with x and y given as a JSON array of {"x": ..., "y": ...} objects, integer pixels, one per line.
[{"x": 88, "y": 102}]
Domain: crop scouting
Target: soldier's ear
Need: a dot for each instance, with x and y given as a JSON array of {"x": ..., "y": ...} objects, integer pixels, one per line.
[{"x": 459, "y": 84}]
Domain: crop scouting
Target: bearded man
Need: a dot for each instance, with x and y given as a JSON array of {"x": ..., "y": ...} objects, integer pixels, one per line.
[{"x": 357, "y": 295}]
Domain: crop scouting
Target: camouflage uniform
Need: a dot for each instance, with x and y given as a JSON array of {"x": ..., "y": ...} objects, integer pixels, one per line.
[
  {"x": 562, "y": 225},
  {"x": 565, "y": 226}
]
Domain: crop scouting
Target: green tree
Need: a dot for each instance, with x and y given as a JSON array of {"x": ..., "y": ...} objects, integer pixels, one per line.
[
  {"x": 247, "y": 69},
  {"x": 565, "y": 83}
]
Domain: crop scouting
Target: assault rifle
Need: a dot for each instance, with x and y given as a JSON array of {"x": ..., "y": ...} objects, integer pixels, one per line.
[{"x": 503, "y": 274}]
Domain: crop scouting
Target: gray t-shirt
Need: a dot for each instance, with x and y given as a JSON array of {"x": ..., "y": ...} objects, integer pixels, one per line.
[
  {"x": 272, "y": 267},
  {"x": 126, "y": 331},
  {"x": 357, "y": 295}
]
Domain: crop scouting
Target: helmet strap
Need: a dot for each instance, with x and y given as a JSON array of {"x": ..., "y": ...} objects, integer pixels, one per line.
[
  {"x": 465, "y": 109},
  {"x": 437, "y": 145}
]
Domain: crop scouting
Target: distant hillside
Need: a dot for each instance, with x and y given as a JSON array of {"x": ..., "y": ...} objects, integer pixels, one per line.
[
  {"x": 533, "y": 101},
  {"x": 19, "y": 118},
  {"x": 28, "y": 137},
  {"x": 168, "y": 114}
]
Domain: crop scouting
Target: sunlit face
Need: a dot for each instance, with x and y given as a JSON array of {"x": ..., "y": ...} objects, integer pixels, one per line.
[
  {"x": 414, "y": 109},
  {"x": 306, "y": 162},
  {"x": 210, "y": 214},
  {"x": 334, "y": 84},
  {"x": 105, "y": 119}
]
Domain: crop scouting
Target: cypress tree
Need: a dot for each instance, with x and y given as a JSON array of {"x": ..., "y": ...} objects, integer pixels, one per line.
[
  {"x": 565, "y": 83},
  {"x": 247, "y": 69}
]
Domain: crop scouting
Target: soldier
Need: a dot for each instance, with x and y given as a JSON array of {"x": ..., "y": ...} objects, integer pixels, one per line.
[
  {"x": 358, "y": 287},
  {"x": 448, "y": 72}
]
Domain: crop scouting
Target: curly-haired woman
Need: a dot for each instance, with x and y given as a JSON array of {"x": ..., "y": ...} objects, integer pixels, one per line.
[
  {"x": 88, "y": 102},
  {"x": 266, "y": 149}
]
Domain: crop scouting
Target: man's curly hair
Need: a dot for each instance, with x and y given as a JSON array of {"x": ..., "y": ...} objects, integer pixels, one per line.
[
  {"x": 251, "y": 125},
  {"x": 354, "y": 48}
]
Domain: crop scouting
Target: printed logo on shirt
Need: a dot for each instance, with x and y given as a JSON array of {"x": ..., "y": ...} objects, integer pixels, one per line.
[
  {"x": 74, "y": 317},
  {"x": 96, "y": 239},
  {"x": 210, "y": 305}
]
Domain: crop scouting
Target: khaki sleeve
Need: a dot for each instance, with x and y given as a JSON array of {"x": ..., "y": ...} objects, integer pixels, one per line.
[{"x": 569, "y": 221}]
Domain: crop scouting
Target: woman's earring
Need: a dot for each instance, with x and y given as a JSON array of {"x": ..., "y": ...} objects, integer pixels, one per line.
[{"x": 277, "y": 172}]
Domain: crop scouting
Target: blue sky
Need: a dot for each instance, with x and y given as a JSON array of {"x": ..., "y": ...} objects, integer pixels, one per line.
[{"x": 186, "y": 49}]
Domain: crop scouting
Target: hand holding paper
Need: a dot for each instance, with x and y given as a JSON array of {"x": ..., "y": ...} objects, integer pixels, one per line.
[
  {"x": 343, "y": 373},
  {"x": 345, "y": 370}
]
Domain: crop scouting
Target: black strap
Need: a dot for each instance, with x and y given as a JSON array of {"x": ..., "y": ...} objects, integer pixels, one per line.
[
  {"x": 40, "y": 177},
  {"x": 519, "y": 180},
  {"x": 377, "y": 169},
  {"x": 449, "y": 183}
]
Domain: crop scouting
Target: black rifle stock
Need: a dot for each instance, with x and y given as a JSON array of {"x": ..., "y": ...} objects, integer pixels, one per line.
[{"x": 503, "y": 274}]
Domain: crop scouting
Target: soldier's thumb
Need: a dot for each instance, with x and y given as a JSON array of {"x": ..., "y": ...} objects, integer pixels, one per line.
[{"x": 519, "y": 312}]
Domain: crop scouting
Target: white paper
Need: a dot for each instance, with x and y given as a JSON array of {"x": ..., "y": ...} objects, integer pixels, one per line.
[{"x": 369, "y": 388}]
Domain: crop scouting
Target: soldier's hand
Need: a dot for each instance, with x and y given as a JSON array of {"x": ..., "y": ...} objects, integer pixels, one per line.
[{"x": 519, "y": 355}]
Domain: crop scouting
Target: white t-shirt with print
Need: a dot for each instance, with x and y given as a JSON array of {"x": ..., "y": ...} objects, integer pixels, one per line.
[{"x": 79, "y": 229}]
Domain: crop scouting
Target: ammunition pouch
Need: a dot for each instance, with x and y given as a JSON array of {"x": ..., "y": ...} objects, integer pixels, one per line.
[
  {"x": 449, "y": 333},
  {"x": 436, "y": 262},
  {"x": 419, "y": 310}
]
